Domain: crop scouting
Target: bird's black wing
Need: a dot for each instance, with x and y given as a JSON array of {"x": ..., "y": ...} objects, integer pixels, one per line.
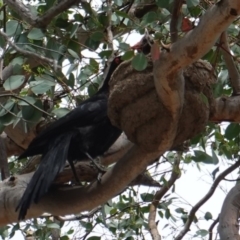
[
  {"x": 86, "y": 114},
  {"x": 51, "y": 164}
]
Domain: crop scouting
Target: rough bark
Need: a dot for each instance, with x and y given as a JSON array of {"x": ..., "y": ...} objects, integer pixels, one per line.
[{"x": 228, "y": 220}]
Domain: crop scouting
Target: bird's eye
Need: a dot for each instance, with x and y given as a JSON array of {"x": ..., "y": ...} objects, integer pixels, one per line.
[{"x": 117, "y": 60}]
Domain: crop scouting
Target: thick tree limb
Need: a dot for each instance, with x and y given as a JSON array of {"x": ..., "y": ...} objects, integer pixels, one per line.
[
  {"x": 228, "y": 220},
  {"x": 226, "y": 109},
  {"x": 174, "y": 20},
  {"x": 74, "y": 200},
  {"x": 198, "y": 41}
]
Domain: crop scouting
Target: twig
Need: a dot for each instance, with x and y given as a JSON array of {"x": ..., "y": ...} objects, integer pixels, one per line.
[
  {"x": 3, "y": 159},
  {"x": 28, "y": 53},
  {"x": 204, "y": 199},
  {"x": 109, "y": 36},
  {"x": 47, "y": 17},
  {"x": 109, "y": 27},
  {"x": 210, "y": 230},
  {"x": 174, "y": 20},
  {"x": 21, "y": 10},
  {"x": 232, "y": 70},
  {"x": 80, "y": 216},
  {"x": 24, "y": 100},
  {"x": 159, "y": 194}
]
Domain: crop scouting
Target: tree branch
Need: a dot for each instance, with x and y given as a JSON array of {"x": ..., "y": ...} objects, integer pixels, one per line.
[
  {"x": 158, "y": 196},
  {"x": 232, "y": 70},
  {"x": 3, "y": 158},
  {"x": 205, "y": 198},
  {"x": 46, "y": 18},
  {"x": 226, "y": 109},
  {"x": 26, "y": 53},
  {"x": 210, "y": 230},
  {"x": 174, "y": 20},
  {"x": 228, "y": 220},
  {"x": 70, "y": 199}
]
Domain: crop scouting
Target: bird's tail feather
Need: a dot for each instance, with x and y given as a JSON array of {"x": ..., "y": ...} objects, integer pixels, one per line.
[{"x": 51, "y": 164}]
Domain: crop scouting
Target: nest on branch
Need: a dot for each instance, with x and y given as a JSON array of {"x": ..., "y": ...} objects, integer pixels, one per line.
[{"x": 135, "y": 107}]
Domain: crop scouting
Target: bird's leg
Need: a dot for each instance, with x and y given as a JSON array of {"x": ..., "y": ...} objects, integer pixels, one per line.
[
  {"x": 101, "y": 169},
  {"x": 74, "y": 172}
]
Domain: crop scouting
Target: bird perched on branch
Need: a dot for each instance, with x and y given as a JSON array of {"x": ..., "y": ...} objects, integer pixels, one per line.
[{"x": 85, "y": 132}]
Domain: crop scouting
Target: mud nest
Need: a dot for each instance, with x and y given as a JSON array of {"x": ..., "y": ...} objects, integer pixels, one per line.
[{"x": 135, "y": 107}]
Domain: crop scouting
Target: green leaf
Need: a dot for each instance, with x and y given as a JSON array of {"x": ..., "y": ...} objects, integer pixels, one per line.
[
  {"x": 74, "y": 30},
  {"x": 167, "y": 213},
  {"x": 65, "y": 237},
  {"x": 17, "y": 119},
  {"x": 124, "y": 46},
  {"x": 1, "y": 127},
  {"x": 13, "y": 28},
  {"x": 71, "y": 80},
  {"x": 92, "y": 44},
  {"x": 2, "y": 42},
  {"x": 94, "y": 238},
  {"x": 94, "y": 65},
  {"x": 92, "y": 89},
  {"x": 208, "y": 216},
  {"x": 53, "y": 225},
  {"x": 31, "y": 114},
  {"x": 192, "y": 3},
  {"x": 13, "y": 82},
  {"x": 86, "y": 225},
  {"x": 127, "y": 55},
  {"x": 163, "y": 3},
  {"x": 60, "y": 112},
  {"x": 73, "y": 54},
  {"x": 147, "y": 197},
  {"x": 7, "y": 119},
  {"x": 54, "y": 49},
  {"x": 180, "y": 210},
  {"x": 36, "y": 34},
  {"x": 97, "y": 36},
  {"x": 28, "y": 99},
  {"x": 139, "y": 62},
  {"x": 203, "y": 157},
  {"x": 42, "y": 84},
  {"x": 122, "y": 14},
  {"x": 106, "y": 54},
  {"x": 215, "y": 157},
  {"x": 18, "y": 61},
  {"x": 149, "y": 17},
  {"x": 7, "y": 107},
  {"x": 71, "y": 68},
  {"x": 232, "y": 131},
  {"x": 202, "y": 233}
]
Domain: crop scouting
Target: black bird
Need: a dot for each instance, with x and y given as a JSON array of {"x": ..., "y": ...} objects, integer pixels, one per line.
[{"x": 85, "y": 132}]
